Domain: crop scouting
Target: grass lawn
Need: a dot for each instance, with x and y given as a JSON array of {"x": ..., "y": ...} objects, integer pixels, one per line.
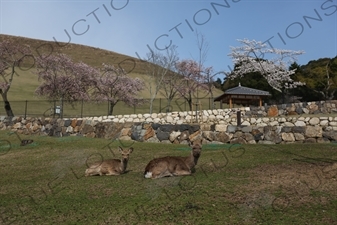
[{"x": 44, "y": 183}]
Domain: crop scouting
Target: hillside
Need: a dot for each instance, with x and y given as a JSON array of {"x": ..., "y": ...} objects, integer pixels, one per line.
[{"x": 24, "y": 86}]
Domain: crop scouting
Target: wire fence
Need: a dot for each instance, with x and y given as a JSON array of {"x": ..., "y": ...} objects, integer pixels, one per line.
[{"x": 44, "y": 108}]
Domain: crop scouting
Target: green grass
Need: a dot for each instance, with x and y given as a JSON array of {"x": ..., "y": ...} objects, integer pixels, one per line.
[{"x": 44, "y": 183}]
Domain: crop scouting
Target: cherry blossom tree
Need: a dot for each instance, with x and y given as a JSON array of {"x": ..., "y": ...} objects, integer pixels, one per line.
[
  {"x": 63, "y": 79},
  {"x": 13, "y": 58},
  {"x": 192, "y": 80},
  {"x": 114, "y": 86},
  {"x": 273, "y": 64}
]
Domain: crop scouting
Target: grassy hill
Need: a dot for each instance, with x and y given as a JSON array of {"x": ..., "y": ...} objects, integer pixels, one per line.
[
  {"x": 26, "y": 81},
  {"x": 25, "y": 84}
]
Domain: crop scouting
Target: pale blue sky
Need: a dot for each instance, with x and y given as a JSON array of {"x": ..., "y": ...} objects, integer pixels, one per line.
[{"x": 128, "y": 27}]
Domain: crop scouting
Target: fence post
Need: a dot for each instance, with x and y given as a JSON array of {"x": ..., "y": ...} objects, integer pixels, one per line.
[
  {"x": 53, "y": 112},
  {"x": 238, "y": 117},
  {"x": 82, "y": 109},
  {"x": 26, "y": 108}
]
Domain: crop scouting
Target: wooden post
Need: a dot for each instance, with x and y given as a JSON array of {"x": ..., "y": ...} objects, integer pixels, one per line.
[
  {"x": 260, "y": 101},
  {"x": 198, "y": 103},
  {"x": 230, "y": 102}
]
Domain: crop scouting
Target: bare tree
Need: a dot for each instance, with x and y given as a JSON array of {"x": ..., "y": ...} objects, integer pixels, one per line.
[
  {"x": 13, "y": 57},
  {"x": 207, "y": 72},
  {"x": 158, "y": 66},
  {"x": 329, "y": 87}
]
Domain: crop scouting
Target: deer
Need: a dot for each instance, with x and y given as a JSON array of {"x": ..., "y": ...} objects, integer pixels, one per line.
[
  {"x": 110, "y": 166},
  {"x": 169, "y": 166}
]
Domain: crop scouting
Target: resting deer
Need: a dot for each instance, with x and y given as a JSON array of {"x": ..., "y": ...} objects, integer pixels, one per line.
[
  {"x": 174, "y": 165},
  {"x": 110, "y": 166}
]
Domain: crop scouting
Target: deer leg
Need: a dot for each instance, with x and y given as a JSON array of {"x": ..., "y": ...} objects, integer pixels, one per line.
[{"x": 166, "y": 173}]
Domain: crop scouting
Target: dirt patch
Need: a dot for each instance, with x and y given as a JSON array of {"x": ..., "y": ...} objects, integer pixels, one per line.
[{"x": 292, "y": 184}]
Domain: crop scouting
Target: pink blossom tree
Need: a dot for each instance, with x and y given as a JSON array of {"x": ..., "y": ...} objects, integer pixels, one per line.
[
  {"x": 63, "y": 79},
  {"x": 273, "y": 64},
  {"x": 114, "y": 86},
  {"x": 13, "y": 58},
  {"x": 191, "y": 81}
]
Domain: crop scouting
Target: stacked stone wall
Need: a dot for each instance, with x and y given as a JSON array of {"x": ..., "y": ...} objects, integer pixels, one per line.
[{"x": 263, "y": 125}]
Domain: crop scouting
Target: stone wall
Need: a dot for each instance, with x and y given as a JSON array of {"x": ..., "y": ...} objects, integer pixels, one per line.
[
  {"x": 298, "y": 122},
  {"x": 222, "y": 129}
]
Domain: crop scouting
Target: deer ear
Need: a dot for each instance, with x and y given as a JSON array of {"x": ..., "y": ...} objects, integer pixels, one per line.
[
  {"x": 120, "y": 148},
  {"x": 131, "y": 149},
  {"x": 190, "y": 143}
]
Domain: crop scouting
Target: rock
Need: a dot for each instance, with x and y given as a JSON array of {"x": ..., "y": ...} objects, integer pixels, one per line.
[
  {"x": 174, "y": 135},
  {"x": 67, "y": 123},
  {"x": 247, "y": 129},
  {"x": 209, "y": 135},
  {"x": 300, "y": 124},
  {"x": 17, "y": 125},
  {"x": 299, "y": 137},
  {"x": 288, "y": 124},
  {"x": 125, "y": 132},
  {"x": 312, "y": 131},
  {"x": 298, "y": 129},
  {"x": 87, "y": 129},
  {"x": 168, "y": 128},
  {"x": 314, "y": 121},
  {"x": 162, "y": 136},
  {"x": 331, "y": 135},
  {"x": 221, "y": 127},
  {"x": 90, "y": 134},
  {"x": 310, "y": 140},
  {"x": 249, "y": 137},
  {"x": 222, "y": 137},
  {"x": 153, "y": 140},
  {"x": 272, "y": 111},
  {"x": 238, "y": 140},
  {"x": 69, "y": 129},
  {"x": 257, "y": 135},
  {"x": 322, "y": 140},
  {"x": 149, "y": 133},
  {"x": 231, "y": 128},
  {"x": 270, "y": 135},
  {"x": 299, "y": 110},
  {"x": 292, "y": 113},
  {"x": 288, "y": 137},
  {"x": 305, "y": 110},
  {"x": 125, "y": 138},
  {"x": 312, "y": 108}
]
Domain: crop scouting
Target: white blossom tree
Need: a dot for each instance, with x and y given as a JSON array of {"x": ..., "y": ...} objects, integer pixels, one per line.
[{"x": 273, "y": 64}]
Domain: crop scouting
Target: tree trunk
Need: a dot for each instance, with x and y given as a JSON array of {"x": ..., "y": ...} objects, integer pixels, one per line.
[
  {"x": 151, "y": 105},
  {"x": 169, "y": 106},
  {"x": 111, "y": 107},
  {"x": 7, "y": 107},
  {"x": 190, "y": 104}
]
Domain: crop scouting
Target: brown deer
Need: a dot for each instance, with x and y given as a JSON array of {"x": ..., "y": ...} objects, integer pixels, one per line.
[
  {"x": 110, "y": 166},
  {"x": 174, "y": 165}
]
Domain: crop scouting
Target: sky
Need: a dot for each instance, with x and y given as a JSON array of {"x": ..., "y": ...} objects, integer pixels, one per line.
[{"x": 132, "y": 27}]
